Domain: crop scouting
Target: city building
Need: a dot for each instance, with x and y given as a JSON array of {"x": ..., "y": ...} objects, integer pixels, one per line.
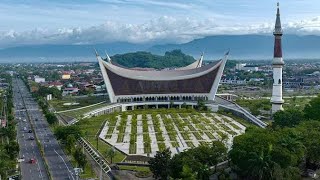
[
  {"x": 69, "y": 91},
  {"x": 277, "y": 65},
  {"x": 56, "y": 84},
  {"x": 65, "y": 76},
  {"x": 38, "y": 79},
  {"x": 245, "y": 67},
  {"x": 233, "y": 81}
]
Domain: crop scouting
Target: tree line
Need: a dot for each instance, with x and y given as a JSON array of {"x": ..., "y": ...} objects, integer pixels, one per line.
[
  {"x": 9, "y": 147},
  {"x": 40, "y": 95},
  {"x": 191, "y": 164}
]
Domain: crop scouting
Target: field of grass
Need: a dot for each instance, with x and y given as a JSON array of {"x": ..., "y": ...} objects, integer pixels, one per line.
[
  {"x": 255, "y": 106},
  {"x": 80, "y": 112},
  {"x": 83, "y": 101},
  {"x": 90, "y": 128},
  {"x": 134, "y": 168}
]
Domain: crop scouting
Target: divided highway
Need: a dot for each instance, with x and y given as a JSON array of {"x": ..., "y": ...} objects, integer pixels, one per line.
[
  {"x": 58, "y": 164},
  {"x": 28, "y": 148}
]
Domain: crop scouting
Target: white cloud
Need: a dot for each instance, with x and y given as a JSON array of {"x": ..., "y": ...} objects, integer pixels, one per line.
[{"x": 165, "y": 30}]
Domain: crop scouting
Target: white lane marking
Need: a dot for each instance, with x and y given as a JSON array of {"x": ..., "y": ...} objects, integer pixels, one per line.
[
  {"x": 64, "y": 163},
  {"x": 40, "y": 175}
]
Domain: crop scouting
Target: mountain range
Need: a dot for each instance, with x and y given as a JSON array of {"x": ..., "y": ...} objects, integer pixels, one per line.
[{"x": 241, "y": 47}]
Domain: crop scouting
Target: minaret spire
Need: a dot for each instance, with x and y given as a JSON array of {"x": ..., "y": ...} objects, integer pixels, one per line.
[
  {"x": 277, "y": 65},
  {"x": 277, "y": 27}
]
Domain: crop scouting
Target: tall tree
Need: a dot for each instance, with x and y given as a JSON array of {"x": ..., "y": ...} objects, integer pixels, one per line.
[
  {"x": 111, "y": 153},
  {"x": 312, "y": 110},
  {"x": 159, "y": 164},
  {"x": 287, "y": 118},
  {"x": 266, "y": 154},
  {"x": 310, "y": 133},
  {"x": 198, "y": 159},
  {"x": 51, "y": 118},
  {"x": 70, "y": 142},
  {"x": 80, "y": 158},
  {"x": 4, "y": 164},
  {"x": 12, "y": 149}
]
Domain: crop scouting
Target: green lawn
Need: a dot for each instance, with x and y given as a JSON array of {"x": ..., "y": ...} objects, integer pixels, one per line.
[
  {"x": 134, "y": 168},
  {"x": 90, "y": 127},
  {"x": 256, "y": 105},
  {"x": 79, "y": 113},
  {"x": 83, "y": 101}
]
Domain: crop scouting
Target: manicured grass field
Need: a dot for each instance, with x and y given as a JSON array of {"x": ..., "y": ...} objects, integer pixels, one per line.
[
  {"x": 90, "y": 128},
  {"x": 83, "y": 101},
  {"x": 80, "y": 112}
]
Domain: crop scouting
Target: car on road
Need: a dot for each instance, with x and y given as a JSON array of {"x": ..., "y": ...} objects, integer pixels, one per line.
[
  {"x": 30, "y": 131},
  {"x": 24, "y": 128},
  {"x": 21, "y": 159},
  {"x": 31, "y": 138},
  {"x": 36, "y": 119},
  {"x": 24, "y": 120},
  {"x": 32, "y": 161}
]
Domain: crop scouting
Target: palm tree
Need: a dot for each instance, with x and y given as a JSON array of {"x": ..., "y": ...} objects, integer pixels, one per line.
[
  {"x": 111, "y": 153},
  {"x": 261, "y": 165},
  {"x": 4, "y": 165}
]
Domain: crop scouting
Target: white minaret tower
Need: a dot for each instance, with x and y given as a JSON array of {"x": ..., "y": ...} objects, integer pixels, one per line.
[{"x": 277, "y": 65}]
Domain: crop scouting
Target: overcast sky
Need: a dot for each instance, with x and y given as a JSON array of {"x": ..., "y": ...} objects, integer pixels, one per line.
[{"x": 147, "y": 21}]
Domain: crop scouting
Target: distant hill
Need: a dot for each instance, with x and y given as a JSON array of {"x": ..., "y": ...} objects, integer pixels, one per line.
[
  {"x": 173, "y": 58},
  {"x": 241, "y": 46},
  {"x": 247, "y": 46},
  {"x": 70, "y": 50}
]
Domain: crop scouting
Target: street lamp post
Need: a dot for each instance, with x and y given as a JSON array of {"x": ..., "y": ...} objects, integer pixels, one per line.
[
  {"x": 97, "y": 143},
  {"x": 101, "y": 168}
]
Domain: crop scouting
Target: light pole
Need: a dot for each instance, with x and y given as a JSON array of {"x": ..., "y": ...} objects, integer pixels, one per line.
[
  {"x": 97, "y": 142},
  {"x": 77, "y": 172},
  {"x": 101, "y": 168}
]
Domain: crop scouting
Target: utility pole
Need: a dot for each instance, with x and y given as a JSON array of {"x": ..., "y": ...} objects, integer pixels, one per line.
[
  {"x": 97, "y": 142},
  {"x": 101, "y": 168}
]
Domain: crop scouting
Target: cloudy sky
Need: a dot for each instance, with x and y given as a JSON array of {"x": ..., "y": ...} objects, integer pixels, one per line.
[{"x": 147, "y": 21}]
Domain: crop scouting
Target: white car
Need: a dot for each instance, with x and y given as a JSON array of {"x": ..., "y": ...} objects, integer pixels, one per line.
[
  {"x": 24, "y": 120},
  {"x": 21, "y": 159}
]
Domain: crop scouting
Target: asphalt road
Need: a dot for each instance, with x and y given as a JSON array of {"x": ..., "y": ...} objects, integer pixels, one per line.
[
  {"x": 28, "y": 148},
  {"x": 58, "y": 163}
]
